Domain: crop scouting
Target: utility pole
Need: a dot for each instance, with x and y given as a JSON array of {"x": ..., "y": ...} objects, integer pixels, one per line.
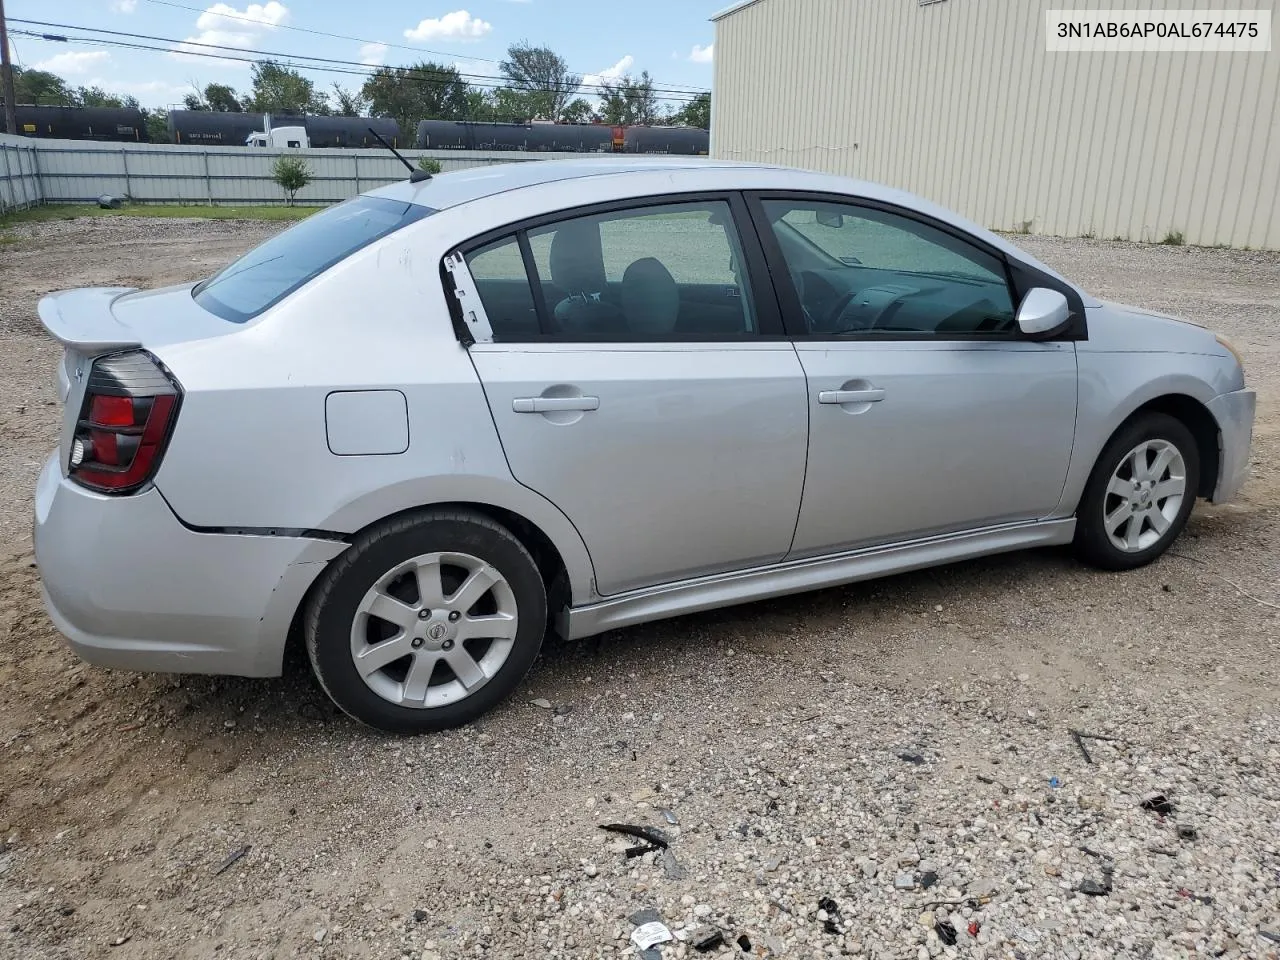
[{"x": 6, "y": 78}]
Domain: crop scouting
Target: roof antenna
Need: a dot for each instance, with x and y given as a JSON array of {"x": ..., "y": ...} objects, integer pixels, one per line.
[{"x": 415, "y": 175}]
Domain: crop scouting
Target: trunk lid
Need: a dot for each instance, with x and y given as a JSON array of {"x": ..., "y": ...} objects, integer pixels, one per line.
[{"x": 96, "y": 321}]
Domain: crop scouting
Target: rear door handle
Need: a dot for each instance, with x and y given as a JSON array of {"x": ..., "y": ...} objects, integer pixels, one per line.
[
  {"x": 552, "y": 404},
  {"x": 874, "y": 395}
]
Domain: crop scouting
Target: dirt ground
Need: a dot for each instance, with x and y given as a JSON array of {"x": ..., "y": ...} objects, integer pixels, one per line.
[{"x": 773, "y": 731}]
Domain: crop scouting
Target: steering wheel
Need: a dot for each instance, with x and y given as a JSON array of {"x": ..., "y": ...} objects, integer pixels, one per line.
[{"x": 837, "y": 323}]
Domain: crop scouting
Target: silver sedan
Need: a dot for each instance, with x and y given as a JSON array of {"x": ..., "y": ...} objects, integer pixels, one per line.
[{"x": 425, "y": 426}]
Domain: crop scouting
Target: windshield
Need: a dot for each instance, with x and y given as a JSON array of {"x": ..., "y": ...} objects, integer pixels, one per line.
[{"x": 270, "y": 272}]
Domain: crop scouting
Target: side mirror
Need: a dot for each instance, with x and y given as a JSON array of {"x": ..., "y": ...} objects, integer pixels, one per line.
[
  {"x": 1043, "y": 312},
  {"x": 827, "y": 218}
]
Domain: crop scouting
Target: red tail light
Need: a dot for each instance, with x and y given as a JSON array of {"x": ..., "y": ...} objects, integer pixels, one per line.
[{"x": 130, "y": 405}]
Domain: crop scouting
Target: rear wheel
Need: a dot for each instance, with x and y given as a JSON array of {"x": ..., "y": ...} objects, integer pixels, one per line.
[
  {"x": 427, "y": 621},
  {"x": 1140, "y": 494}
]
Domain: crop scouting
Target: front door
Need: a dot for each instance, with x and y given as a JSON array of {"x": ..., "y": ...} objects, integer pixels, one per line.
[
  {"x": 929, "y": 413},
  {"x": 642, "y": 385}
]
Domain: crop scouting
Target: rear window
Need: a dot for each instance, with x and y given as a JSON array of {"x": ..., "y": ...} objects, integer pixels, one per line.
[{"x": 270, "y": 272}]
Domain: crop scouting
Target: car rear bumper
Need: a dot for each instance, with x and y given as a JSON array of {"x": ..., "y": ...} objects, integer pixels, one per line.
[
  {"x": 131, "y": 587},
  {"x": 1234, "y": 413}
]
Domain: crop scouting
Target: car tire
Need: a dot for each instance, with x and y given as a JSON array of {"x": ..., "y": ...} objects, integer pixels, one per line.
[
  {"x": 1129, "y": 514},
  {"x": 424, "y": 592}
]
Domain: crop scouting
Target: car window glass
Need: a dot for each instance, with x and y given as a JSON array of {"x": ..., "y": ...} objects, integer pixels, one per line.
[
  {"x": 646, "y": 273},
  {"x": 503, "y": 286},
  {"x": 870, "y": 272},
  {"x": 271, "y": 271}
]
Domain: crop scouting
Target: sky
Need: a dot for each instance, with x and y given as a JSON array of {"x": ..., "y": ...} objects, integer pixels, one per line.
[{"x": 672, "y": 39}]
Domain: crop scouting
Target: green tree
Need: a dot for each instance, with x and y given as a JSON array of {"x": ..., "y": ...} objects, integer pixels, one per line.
[
  {"x": 350, "y": 103},
  {"x": 221, "y": 97},
  {"x": 423, "y": 91},
  {"x": 543, "y": 77},
  {"x": 157, "y": 125},
  {"x": 429, "y": 164},
  {"x": 42, "y": 88},
  {"x": 97, "y": 97},
  {"x": 629, "y": 101},
  {"x": 292, "y": 173},
  {"x": 695, "y": 113},
  {"x": 578, "y": 111},
  {"x": 278, "y": 89}
]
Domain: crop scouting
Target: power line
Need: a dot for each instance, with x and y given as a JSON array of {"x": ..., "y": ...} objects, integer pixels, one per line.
[
  {"x": 343, "y": 67},
  {"x": 684, "y": 95},
  {"x": 341, "y": 36}
]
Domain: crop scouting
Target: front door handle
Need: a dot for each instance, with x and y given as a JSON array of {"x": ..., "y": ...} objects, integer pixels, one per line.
[
  {"x": 553, "y": 404},
  {"x": 874, "y": 395}
]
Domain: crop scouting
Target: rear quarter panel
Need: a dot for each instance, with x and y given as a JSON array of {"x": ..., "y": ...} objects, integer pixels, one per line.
[{"x": 250, "y": 446}]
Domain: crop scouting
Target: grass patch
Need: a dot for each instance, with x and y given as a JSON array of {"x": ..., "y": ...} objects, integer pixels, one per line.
[
  {"x": 70, "y": 211},
  {"x": 1173, "y": 238}
]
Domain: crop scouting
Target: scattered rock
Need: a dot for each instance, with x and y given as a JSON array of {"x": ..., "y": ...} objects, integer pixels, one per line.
[
  {"x": 542, "y": 703},
  {"x": 319, "y": 935},
  {"x": 590, "y": 869},
  {"x": 704, "y": 939},
  {"x": 904, "y": 881},
  {"x": 671, "y": 867}
]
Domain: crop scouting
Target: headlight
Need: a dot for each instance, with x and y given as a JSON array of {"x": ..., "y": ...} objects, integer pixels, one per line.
[{"x": 1232, "y": 350}]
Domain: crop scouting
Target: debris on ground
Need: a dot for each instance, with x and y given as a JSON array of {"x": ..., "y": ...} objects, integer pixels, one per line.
[
  {"x": 993, "y": 782},
  {"x": 1157, "y": 802},
  {"x": 705, "y": 939},
  {"x": 670, "y": 817},
  {"x": 910, "y": 757},
  {"x": 108, "y": 202},
  {"x": 1186, "y": 831},
  {"x": 1084, "y": 751},
  {"x": 829, "y": 915},
  {"x": 904, "y": 881},
  {"x": 563, "y": 709},
  {"x": 643, "y": 916},
  {"x": 420, "y": 915},
  {"x": 671, "y": 866},
  {"x": 974, "y": 927},
  {"x": 928, "y": 879},
  {"x": 650, "y": 935},
  {"x": 1197, "y": 897},
  {"x": 225, "y": 865},
  {"x": 946, "y": 932},
  {"x": 1054, "y": 783},
  {"x": 121, "y": 941},
  {"x": 1092, "y": 888},
  {"x": 744, "y": 943},
  {"x": 541, "y": 702},
  {"x": 1269, "y": 935},
  {"x": 650, "y": 835}
]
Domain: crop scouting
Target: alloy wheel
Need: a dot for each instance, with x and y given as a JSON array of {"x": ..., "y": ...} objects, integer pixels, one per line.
[
  {"x": 1144, "y": 495},
  {"x": 434, "y": 629}
]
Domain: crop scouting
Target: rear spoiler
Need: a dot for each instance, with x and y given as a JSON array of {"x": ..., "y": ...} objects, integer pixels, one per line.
[{"x": 82, "y": 320}]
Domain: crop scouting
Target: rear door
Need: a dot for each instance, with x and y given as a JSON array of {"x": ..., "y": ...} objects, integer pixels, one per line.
[
  {"x": 929, "y": 412},
  {"x": 640, "y": 380}
]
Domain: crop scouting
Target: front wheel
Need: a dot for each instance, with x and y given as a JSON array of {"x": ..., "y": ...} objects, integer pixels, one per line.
[
  {"x": 427, "y": 621},
  {"x": 1139, "y": 495}
]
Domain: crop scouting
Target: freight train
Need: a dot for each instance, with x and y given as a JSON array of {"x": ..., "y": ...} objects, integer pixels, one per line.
[
  {"x": 82, "y": 123},
  {"x": 220, "y": 129},
  {"x": 209, "y": 128},
  {"x": 560, "y": 137}
]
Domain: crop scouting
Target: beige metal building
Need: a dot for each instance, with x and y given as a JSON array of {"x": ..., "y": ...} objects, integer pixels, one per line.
[{"x": 960, "y": 101}]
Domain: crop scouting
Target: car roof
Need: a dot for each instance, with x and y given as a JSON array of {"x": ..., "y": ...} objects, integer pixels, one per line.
[{"x": 679, "y": 174}]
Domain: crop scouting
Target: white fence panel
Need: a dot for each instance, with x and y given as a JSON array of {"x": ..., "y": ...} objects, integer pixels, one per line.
[
  {"x": 19, "y": 183},
  {"x": 68, "y": 171}
]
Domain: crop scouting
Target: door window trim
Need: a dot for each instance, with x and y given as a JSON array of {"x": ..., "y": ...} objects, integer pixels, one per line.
[
  {"x": 768, "y": 316},
  {"x": 1020, "y": 277}
]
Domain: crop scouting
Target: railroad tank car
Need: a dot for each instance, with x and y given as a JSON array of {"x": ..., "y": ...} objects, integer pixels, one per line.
[
  {"x": 82, "y": 123},
  {"x": 349, "y": 131},
  {"x": 528, "y": 137},
  {"x": 684, "y": 141}
]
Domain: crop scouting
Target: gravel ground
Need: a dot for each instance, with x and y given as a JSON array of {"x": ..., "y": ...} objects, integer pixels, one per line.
[{"x": 825, "y": 756}]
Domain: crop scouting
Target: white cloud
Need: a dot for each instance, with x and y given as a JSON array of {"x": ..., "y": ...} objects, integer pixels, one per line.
[
  {"x": 74, "y": 63},
  {"x": 701, "y": 54},
  {"x": 609, "y": 73},
  {"x": 223, "y": 16},
  {"x": 224, "y": 25},
  {"x": 124, "y": 6},
  {"x": 459, "y": 25},
  {"x": 148, "y": 92},
  {"x": 373, "y": 54}
]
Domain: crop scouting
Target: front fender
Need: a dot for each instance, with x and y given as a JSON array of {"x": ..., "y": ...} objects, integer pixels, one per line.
[{"x": 1113, "y": 386}]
